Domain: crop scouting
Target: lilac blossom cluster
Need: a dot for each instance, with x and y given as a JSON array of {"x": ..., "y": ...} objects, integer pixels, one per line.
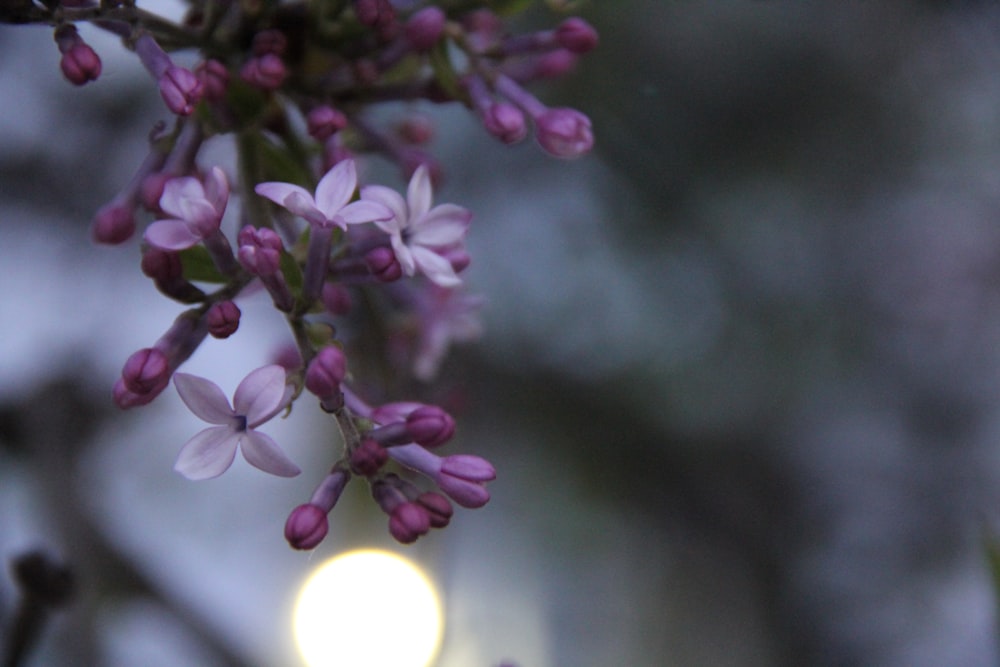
[{"x": 293, "y": 85}]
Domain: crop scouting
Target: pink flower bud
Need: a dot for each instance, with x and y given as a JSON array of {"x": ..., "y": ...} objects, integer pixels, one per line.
[
  {"x": 325, "y": 121},
  {"x": 326, "y": 371},
  {"x": 126, "y": 399},
  {"x": 146, "y": 371},
  {"x": 180, "y": 89},
  {"x": 383, "y": 264},
  {"x": 576, "y": 35},
  {"x": 564, "y": 133},
  {"x": 80, "y": 65},
  {"x": 424, "y": 27},
  {"x": 416, "y": 130},
  {"x": 266, "y": 72},
  {"x": 368, "y": 458},
  {"x": 259, "y": 250},
  {"x": 223, "y": 319},
  {"x": 467, "y": 494},
  {"x": 306, "y": 527},
  {"x": 553, "y": 65},
  {"x": 374, "y": 13},
  {"x": 151, "y": 190},
  {"x": 114, "y": 223},
  {"x": 438, "y": 508},
  {"x": 269, "y": 41},
  {"x": 430, "y": 426},
  {"x": 505, "y": 122},
  {"x": 214, "y": 78},
  {"x": 408, "y": 522}
]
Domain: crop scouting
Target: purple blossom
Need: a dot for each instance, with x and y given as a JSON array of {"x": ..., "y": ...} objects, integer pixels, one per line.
[
  {"x": 79, "y": 63},
  {"x": 197, "y": 209},
  {"x": 446, "y": 316},
  {"x": 330, "y": 207},
  {"x": 419, "y": 233},
  {"x": 306, "y": 527},
  {"x": 461, "y": 476},
  {"x": 223, "y": 319},
  {"x": 260, "y": 396}
]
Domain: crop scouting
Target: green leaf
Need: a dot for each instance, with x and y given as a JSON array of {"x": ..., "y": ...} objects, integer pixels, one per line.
[
  {"x": 198, "y": 266},
  {"x": 444, "y": 71}
]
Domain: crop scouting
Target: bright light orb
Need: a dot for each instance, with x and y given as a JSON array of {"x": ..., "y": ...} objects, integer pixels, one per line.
[{"x": 368, "y": 608}]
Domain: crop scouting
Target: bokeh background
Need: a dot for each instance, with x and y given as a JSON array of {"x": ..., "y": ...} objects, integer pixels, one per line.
[{"x": 740, "y": 373}]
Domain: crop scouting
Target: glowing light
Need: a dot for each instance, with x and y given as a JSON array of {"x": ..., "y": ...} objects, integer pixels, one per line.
[{"x": 368, "y": 609}]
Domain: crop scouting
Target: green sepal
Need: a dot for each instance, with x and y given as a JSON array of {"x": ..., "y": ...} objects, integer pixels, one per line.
[
  {"x": 444, "y": 71},
  {"x": 292, "y": 272},
  {"x": 198, "y": 266}
]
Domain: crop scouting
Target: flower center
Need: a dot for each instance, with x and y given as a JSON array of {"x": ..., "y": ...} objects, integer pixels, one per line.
[{"x": 239, "y": 423}]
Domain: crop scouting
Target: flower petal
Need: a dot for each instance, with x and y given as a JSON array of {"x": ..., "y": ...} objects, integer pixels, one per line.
[
  {"x": 443, "y": 225},
  {"x": 419, "y": 193},
  {"x": 403, "y": 254},
  {"x": 217, "y": 190},
  {"x": 435, "y": 267},
  {"x": 336, "y": 188},
  {"x": 390, "y": 199},
  {"x": 261, "y": 451},
  {"x": 260, "y": 395},
  {"x": 204, "y": 398},
  {"x": 208, "y": 454},
  {"x": 178, "y": 190},
  {"x": 171, "y": 235},
  {"x": 280, "y": 193},
  {"x": 364, "y": 211}
]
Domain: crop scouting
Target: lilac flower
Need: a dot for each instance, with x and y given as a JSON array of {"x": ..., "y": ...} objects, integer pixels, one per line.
[
  {"x": 462, "y": 477},
  {"x": 260, "y": 396},
  {"x": 330, "y": 207},
  {"x": 419, "y": 233},
  {"x": 197, "y": 211},
  {"x": 445, "y": 316}
]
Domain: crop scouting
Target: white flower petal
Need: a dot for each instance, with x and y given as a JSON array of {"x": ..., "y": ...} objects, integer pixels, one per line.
[
  {"x": 279, "y": 193},
  {"x": 260, "y": 395},
  {"x": 364, "y": 211},
  {"x": 443, "y": 225},
  {"x": 261, "y": 451},
  {"x": 204, "y": 398},
  {"x": 171, "y": 235},
  {"x": 435, "y": 267},
  {"x": 390, "y": 199},
  {"x": 336, "y": 188},
  {"x": 176, "y": 191},
  {"x": 403, "y": 254},
  {"x": 208, "y": 454},
  {"x": 419, "y": 193}
]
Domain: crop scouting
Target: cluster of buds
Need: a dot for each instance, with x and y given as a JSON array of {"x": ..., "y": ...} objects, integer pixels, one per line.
[{"x": 295, "y": 83}]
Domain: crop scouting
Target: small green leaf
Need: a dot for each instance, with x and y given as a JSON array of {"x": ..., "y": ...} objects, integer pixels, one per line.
[{"x": 198, "y": 266}]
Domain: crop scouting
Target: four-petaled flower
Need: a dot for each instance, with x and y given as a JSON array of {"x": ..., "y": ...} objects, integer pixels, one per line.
[
  {"x": 330, "y": 207},
  {"x": 417, "y": 231},
  {"x": 261, "y": 395},
  {"x": 197, "y": 209}
]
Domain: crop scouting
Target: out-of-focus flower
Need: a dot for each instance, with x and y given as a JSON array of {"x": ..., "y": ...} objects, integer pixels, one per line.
[{"x": 197, "y": 209}]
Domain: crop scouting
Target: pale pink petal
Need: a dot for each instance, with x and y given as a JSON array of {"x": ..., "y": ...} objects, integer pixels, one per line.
[
  {"x": 203, "y": 398},
  {"x": 200, "y": 213},
  {"x": 336, "y": 188},
  {"x": 435, "y": 267},
  {"x": 394, "y": 412},
  {"x": 418, "y": 192},
  {"x": 391, "y": 200},
  {"x": 171, "y": 235},
  {"x": 208, "y": 454},
  {"x": 443, "y": 225},
  {"x": 259, "y": 396},
  {"x": 403, "y": 254},
  {"x": 217, "y": 190},
  {"x": 364, "y": 211},
  {"x": 176, "y": 191},
  {"x": 279, "y": 193},
  {"x": 263, "y": 452}
]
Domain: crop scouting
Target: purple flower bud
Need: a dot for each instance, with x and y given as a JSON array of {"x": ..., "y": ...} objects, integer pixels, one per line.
[
  {"x": 269, "y": 41},
  {"x": 214, "y": 78},
  {"x": 114, "y": 223},
  {"x": 368, "y": 458},
  {"x": 408, "y": 522},
  {"x": 326, "y": 371},
  {"x": 126, "y": 399},
  {"x": 374, "y": 13},
  {"x": 467, "y": 494},
  {"x": 336, "y": 298},
  {"x": 468, "y": 467},
  {"x": 79, "y": 63},
  {"x": 325, "y": 121},
  {"x": 438, "y": 508},
  {"x": 564, "y": 133},
  {"x": 180, "y": 89},
  {"x": 266, "y": 72},
  {"x": 383, "y": 264},
  {"x": 424, "y": 28},
  {"x": 576, "y": 35},
  {"x": 458, "y": 258},
  {"x": 151, "y": 190},
  {"x": 223, "y": 319},
  {"x": 430, "y": 426},
  {"x": 416, "y": 130},
  {"x": 552, "y": 65},
  {"x": 164, "y": 267},
  {"x": 505, "y": 122},
  {"x": 306, "y": 527},
  {"x": 146, "y": 371},
  {"x": 259, "y": 250}
]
